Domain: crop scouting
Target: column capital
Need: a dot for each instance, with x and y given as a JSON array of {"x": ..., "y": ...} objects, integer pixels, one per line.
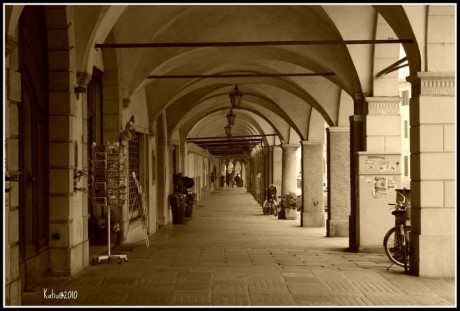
[
  {"x": 358, "y": 103},
  {"x": 290, "y": 146},
  {"x": 358, "y": 97},
  {"x": 334, "y": 129},
  {"x": 356, "y": 118},
  {"x": 437, "y": 83},
  {"x": 383, "y": 105},
  {"x": 83, "y": 78},
  {"x": 311, "y": 142}
]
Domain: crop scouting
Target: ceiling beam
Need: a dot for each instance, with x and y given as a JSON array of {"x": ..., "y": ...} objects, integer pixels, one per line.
[
  {"x": 209, "y": 142},
  {"x": 393, "y": 67},
  {"x": 230, "y": 147},
  {"x": 245, "y": 43},
  {"x": 241, "y": 136},
  {"x": 229, "y": 153},
  {"x": 242, "y": 75}
]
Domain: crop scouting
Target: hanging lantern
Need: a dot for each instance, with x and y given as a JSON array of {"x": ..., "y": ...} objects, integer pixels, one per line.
[
  {"x": 231, "y": 117},
  {"x": 228, "y": 131},
  {"x": 236, "y": 97}
]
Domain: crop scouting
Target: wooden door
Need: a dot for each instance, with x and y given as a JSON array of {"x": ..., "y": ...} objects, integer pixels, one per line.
[{"x": 33, "y": 145}]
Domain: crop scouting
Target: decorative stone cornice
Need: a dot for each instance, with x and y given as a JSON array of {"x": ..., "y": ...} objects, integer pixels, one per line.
[
  {"x": 437, "y": 83},
  {"x": 383, "y": 105}
]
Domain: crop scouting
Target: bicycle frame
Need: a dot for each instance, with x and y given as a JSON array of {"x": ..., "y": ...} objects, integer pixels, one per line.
[{"x": 400, "y": 233}]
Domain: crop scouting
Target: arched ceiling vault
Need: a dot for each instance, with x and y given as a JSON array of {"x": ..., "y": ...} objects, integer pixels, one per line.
[
  {"x": 258, "y": 121},
  {"x": 288, "y": 102}
]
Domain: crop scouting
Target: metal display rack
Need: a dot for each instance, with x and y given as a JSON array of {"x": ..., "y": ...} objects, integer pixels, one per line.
[{"x": 108, "y": 185}]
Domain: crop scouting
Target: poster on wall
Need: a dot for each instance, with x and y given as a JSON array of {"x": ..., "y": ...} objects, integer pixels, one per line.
[{"x": 380, "y": 186}]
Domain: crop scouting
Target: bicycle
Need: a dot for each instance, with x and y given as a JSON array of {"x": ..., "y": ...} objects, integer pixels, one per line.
[
  {"x": 396, "y": 240},
  {"x": 270, "y": 205}
]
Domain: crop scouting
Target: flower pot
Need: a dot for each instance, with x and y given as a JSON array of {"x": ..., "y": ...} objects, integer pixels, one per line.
[
  {"x": 190, "y": 201},
  {"x": 281, "y": 214},
  {"x": 178, "y": 214},
  {"x": 291, "y": 213},
  {"x": 178, "y": 206}
]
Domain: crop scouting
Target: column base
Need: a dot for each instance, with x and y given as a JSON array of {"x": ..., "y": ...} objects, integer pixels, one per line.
[
  {"x": 313, "y": 219},
  {"x": 434, "y": 255},
  {"x": 337, "y": 228}
]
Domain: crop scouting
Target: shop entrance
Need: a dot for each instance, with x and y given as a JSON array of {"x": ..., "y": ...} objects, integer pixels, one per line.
[{"x": 33, "y": 148}]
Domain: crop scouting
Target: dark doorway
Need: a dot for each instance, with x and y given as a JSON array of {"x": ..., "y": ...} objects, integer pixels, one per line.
[
  {"x": 33, "y": 147},
  {"x": 95, "y": 131}
]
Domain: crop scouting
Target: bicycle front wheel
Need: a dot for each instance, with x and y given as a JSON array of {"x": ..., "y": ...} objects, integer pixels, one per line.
[
  {"x": 266, "y": 208},
  {"x": 275, "y": 209},
  {"x": 394, "y": 245}
]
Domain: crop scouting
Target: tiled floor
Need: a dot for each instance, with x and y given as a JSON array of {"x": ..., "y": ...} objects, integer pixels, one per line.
[{"x": 230, "y": 254}]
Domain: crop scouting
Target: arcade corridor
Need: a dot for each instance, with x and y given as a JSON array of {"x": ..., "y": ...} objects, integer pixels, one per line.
[
  {"x": 336, "y": 105},
  {"x": 229, "y": 253}
]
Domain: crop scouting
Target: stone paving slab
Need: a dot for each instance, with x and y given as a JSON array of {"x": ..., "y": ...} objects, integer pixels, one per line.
[
  {"x": 230, "y": 254},
  {"x": 272, "y": 299},
  {"x": 190, "y": 298},
  {"x": 230, "y": 299}
]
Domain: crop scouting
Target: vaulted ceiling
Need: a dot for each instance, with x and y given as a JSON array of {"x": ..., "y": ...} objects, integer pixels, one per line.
[{"x": 285, "y": 105}]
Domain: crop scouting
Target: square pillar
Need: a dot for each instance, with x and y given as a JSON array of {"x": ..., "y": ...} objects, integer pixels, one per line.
[
  {"x": 379, "y": 174},
  {"x": 289, "y": 174},
  {"x": 338, "y": 180},
  {"x": 312, "y": 184},
  {"x": 277, "y": 162},
  {"x": 432, "y": 118},
  {"x": 383, "y": 124}
]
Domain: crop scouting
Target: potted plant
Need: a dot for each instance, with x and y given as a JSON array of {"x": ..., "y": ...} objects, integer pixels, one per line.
[
  {"x": 289, "y": 204},
  {"x": 178, "y": 203}
]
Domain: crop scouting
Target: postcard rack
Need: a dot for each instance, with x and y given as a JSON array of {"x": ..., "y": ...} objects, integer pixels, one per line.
[{"x": 108, "y": 186}]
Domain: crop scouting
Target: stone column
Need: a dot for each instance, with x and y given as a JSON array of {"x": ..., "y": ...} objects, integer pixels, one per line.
[
  {"x": 267, "y": 165},
  {"x": 338, "y": 181},
  {"x": 111, "y": 101},
  {"x": 432, "y": 118},
  {"x": 183, "y": 162},
  {"x": 83, "y": 80},
  {"x": 356, "y": 144},
  {"x": 312, "y": 184},
  {"x": 163, "y": 172},
  {"x": 277, "y": 164},
  {"x": 289, "y": 174}
]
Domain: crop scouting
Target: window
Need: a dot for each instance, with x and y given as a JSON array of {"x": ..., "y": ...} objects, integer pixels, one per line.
[
  {"x": 405, "y": 98},
  {"x": 406, "y": 128},
  {"x": 406, "y": 166}
]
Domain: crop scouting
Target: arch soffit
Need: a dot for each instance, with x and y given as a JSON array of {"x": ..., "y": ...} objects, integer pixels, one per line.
[{"x": 108, "y": 17}]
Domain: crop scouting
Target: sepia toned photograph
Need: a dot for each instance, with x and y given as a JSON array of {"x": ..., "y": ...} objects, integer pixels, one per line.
[{"x": 225, "y": 155}]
